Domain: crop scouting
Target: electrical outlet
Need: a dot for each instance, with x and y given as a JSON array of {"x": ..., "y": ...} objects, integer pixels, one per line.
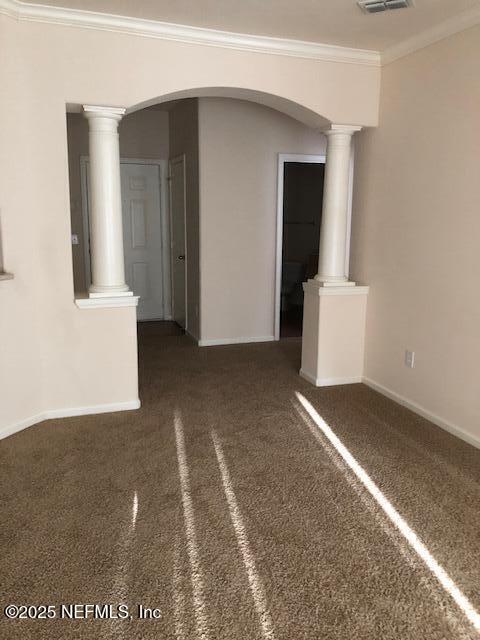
[
  {"x": 410, "y": 359},
  {"x": 75, "y": 238}
]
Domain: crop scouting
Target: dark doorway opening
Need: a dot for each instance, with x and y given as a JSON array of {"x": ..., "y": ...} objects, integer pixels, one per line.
[{"x": 302, "y": 214}]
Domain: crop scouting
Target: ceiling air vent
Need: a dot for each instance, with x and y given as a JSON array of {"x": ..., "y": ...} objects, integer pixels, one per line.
[{"x": 376, "y": 6}]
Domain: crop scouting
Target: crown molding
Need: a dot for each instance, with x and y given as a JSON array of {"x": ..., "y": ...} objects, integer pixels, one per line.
[
  {"x": 458, "y": 23},
  {"x": 186, "y": 34},
  {"x": 23, "y": 11}
]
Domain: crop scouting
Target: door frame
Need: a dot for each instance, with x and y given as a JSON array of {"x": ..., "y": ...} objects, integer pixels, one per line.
[
  {"x": 162, "y": 166},
  {"x": 308, "y": 159},
  {"x": 177, "y": 160}
]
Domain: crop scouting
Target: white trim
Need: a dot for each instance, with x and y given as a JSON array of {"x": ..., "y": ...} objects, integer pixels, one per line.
[
  {"x": 237, "y": 41},
  {"x": 329, "y": 382},
  {"x": 421, "y": 411},
  {"x": 449, "y": 27},
  {"x": 107, "y": 302},
  {"x": 220, "y": 341},
  {"x": 187, "y": 34},
  {"x": 9, "y": 430},
  {"x": 182, "y": 158},
  {"x": 109, "y": 112},
  {"x": 349, "y": 129},
  {"x": 21, "y": 425},
  {"x": 165, "y": 230},
  {"x": 129, "y": 405},
  {"x": 316, "y": 158},
  {"x": 315, "y": 288},
  {"x": 282, "y": 159}
]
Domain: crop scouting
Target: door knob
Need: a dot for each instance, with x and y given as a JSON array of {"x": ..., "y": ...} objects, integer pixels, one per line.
[{"x": 181, "y": 257}]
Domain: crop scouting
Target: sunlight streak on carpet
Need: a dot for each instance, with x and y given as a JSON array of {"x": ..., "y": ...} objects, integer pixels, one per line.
[
  {"x": 438, "y": 571},
  {"x": 178, "y": 596},
  {"x": 134, "y": 510},
  {"x": 256, "y": 586},
  {"x": 198, "y": 588},
  {"x": 119, "y": 591}
]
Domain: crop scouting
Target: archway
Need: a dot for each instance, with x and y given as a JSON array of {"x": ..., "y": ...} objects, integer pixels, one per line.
[
  {"x": 331, "y": 274},
  {"x": 259, "y": 126},
  {"x": 290, "y": 108}
]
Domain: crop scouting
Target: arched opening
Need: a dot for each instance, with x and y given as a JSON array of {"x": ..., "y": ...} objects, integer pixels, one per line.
[
  {"x": 236, "y": 144},
  {"x": 222, "y": 282},
  {"x": 289, "y": 107}
]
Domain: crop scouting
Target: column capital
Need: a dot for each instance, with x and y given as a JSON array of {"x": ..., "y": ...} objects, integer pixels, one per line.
[
  {"x": 94, "y": 111},
  {"x": 346, "y": 129}
]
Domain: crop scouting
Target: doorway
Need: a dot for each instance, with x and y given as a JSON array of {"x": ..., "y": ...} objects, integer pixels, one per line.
[
  {"x": 145, "y": 233},
  {"x": 300, "y": 198}
]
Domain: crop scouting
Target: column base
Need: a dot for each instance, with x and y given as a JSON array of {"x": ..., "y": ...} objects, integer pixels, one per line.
[
  {"x": 333, "y": 283},
  {"x": 333, "y": 333},
  {"x": 97, "y": 292}
]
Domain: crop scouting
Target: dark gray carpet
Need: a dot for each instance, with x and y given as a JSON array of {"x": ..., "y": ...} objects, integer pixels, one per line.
[{"x": 217, "y": 504}]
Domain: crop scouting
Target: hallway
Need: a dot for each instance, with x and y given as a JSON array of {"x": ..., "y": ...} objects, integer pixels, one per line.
[{"x": 223, "y": 504}]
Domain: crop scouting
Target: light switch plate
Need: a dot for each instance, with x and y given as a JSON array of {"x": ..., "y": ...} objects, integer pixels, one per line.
[{"x": 410, "y": 359}]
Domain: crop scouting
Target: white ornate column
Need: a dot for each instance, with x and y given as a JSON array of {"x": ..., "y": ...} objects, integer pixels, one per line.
[
  {"x": 333, "y": 233},
  {"x": 105, "y": 215},
  {"x": 334, "y": 308}
]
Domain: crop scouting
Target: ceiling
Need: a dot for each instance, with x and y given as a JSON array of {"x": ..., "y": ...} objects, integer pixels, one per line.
[{"x": 339, "y": 22}]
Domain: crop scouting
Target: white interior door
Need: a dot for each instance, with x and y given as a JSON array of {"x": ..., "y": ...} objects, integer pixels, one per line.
[
  {"x": 142, "y": 237},
  {"x": 178, "y": 240}
]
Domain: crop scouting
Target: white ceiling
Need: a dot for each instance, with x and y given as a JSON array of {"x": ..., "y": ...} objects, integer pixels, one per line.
[{"x": 339, "y": 22}]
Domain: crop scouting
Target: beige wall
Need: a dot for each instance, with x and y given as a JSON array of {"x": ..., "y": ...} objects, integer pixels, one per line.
[
  {"x": 143, "y": 134},
  {"x": 239, "y": 146},
  {"x": 184, "y": 141},
  {"x": 44, "y": 68},
  {"x": 416, "y": 223},
  {"x": 417, "y": 227},
  {"x": 20, "y": 320}
]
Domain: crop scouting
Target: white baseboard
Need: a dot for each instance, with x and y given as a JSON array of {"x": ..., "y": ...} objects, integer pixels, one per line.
[
  {"x": 219, "y": 341},
  {"x": 329, "y": 382},
  {"x": 421, "y": 411},
  {"x": 20, "y": 426},
  {"x": 67, "y": 413}
]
